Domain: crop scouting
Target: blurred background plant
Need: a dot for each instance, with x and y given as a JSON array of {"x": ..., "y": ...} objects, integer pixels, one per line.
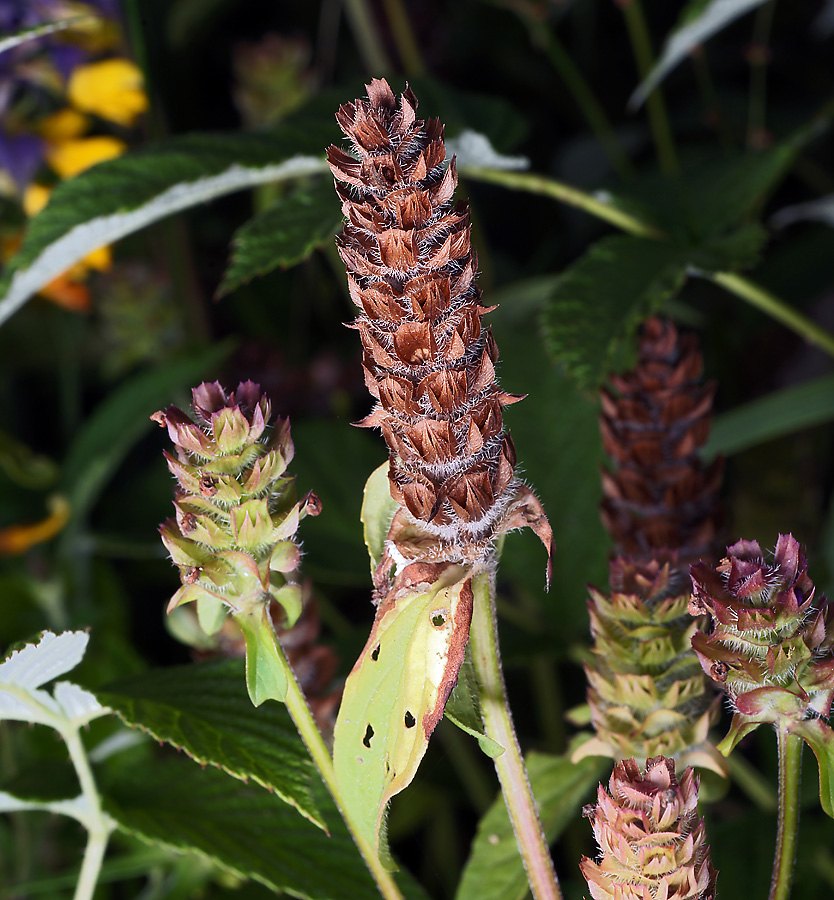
[{"x": 726, "y": 158}]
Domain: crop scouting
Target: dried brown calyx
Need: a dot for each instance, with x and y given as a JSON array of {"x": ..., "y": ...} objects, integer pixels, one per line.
[
  {"x": 654, "y": 421},
  {"x": 428, "y": 360}
]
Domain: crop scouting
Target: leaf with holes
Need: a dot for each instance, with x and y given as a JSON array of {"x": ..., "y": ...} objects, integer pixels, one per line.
[{"x": 397, "y": 691}]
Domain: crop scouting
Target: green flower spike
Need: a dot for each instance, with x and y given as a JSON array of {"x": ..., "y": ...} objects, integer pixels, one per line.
[
  {"x": 646, "y": 692},
  {"x": 236, "y": 517}
]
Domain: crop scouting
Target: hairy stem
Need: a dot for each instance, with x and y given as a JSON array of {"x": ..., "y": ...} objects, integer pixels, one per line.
[
  {"x": 638, "y": 34},
  {"x": 299, "y": 710},
  {"x": 775, "y": 307},
  {"x": 558, "y": 190},
  {"x": 498, "y": 723},
  {"x": 790, "y": 763}
]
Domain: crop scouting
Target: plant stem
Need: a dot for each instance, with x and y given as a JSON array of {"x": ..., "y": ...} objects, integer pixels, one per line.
[
  {"x": 498, "y": 723},
  {"x": 758, "y": 60},
  {"x": 790, "y": 764},
  {"x": 774, "y": 307},
  {"x": 407, "y": 45},
  {"x": 549, "y": 187},
  {"x": 581, "y": 92},
  {"x": 99, "y": 824},
  {"x": 368, "y": 41},
  {"x": 638, "y": 34},
  {"x": 299, "y": 710}
]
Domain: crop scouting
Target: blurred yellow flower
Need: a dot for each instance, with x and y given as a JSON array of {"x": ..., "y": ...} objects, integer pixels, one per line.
[
  {"x": 111, "y": 89},
  {"x": 68, "y": 158},
  {"x": 63, "y": 125},
  {"x": 17, "y": 539}
]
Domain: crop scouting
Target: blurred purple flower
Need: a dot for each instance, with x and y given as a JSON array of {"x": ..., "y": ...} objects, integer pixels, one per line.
[{"x": 20, "y": 156}]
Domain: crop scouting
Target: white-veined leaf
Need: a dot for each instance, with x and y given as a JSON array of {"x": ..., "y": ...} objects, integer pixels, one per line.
[
  {"x": 36, "y": 664},
  {"x": 78, "y": 705},
  {"x": 474, "y": 150},
  {"x": 700, "y": 22}
]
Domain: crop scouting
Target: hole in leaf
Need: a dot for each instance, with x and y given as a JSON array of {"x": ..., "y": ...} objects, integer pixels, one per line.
[
  {"x": 375, "y": 653},
  {"x": 410, "y": 721},
  {"x": 439, "y": 619},
  {"x": 369, "y": 733}
]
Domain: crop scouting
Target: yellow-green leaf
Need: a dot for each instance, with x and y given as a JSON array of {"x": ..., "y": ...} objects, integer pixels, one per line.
[
  {"x": 378, "y": 508},
  {"x": 397, "y": 691}
]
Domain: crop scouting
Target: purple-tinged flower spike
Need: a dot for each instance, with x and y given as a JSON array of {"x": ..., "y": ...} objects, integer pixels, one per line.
[
  {"x": 651, "y": 841},
  {"x": 771, "y": 645},
  {"x": 232, "y": 537}
]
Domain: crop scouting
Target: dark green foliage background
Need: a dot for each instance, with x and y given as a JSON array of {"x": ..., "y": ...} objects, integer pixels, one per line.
[{"x": 571, "y": 292}]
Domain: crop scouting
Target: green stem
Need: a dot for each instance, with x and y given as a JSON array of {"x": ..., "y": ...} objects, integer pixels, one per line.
[
  {"x": 581, "y": 92},
  {"x": 790, "y": 764},
  {"x": 775, "y": 307},
  {"x": 310, "y": 734},
  {"x": 498, "y": 723},
  {"x": 758, "y": 53},
  {"x": 365, "y": 32},
  {"x": 638, "y": 34},
  {"x": 549, "y": 187},
  {"x": 407, "y": 45},
  {"x": 99, "y": 824}
]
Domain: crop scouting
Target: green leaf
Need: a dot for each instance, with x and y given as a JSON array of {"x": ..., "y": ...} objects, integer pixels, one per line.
[
  {"x": 267, "y": 676},
  {"x": 598, "y": 303},
  {"x": 378, "y": 508},
  {"x": 285, "y": 234},
  {"x": 699, "y": 21},
  {"x": 819, "y": 736},
  {"x": 204, "y": 710},
  {"x": 463, "y": 708},
  {"x": 244, "y": 829},
  {"x": 121, "y": 419},
  {"x": 120, "y": 196},
  {"x": 396, "y": 693},
  {"x": 494, "y": 870},
  {"x": 779, "y": 413}
]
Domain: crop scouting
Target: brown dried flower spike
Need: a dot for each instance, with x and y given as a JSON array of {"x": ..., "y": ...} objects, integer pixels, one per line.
[{"x": 428, "y": 360}]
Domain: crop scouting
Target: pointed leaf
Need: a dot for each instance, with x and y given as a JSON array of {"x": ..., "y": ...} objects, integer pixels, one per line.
[
  {"x": 244, "y": 829},
  {"x": 378, "y": 508},
  {"x": 37, "y": 664},
  {"x": 283, "y": 235},
  {"x": 494, "y": 870},
  {"x": 120, "y": 196},
  {"x": 78, "y": 705},
  {"x": 397, "y": 690},
  {"x": 600, "y": 300},
  {"x": 819, "y": 736},
  {"x": 204, "y": 710},
  {"x": 464, "y": 710},
  {"x": 266, "y": 666},
  {"x": 700, "y": 20}
]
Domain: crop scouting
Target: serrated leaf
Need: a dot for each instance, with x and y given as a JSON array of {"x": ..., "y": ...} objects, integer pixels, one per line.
[
  {"x": 204, "y": 710},
  {"x": 8, "y": 41},
  {"x": 78, "y": 705},
  {"x": 283, "y": 235},
  {"x": 464, "y": 710},
  {"x": 699, "y": 22},
  {"x": 37, "y": 664},
  {"x": 495, "y": 870},
  {"x": 599, "y": 301},
  {"x": 378, "y": 508},
  {"x": 396, "y": 692},
  {"x": 120, "y": 196},
  {"x": 774, "y": 415},
  {"x": 244, "y": 829}
]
